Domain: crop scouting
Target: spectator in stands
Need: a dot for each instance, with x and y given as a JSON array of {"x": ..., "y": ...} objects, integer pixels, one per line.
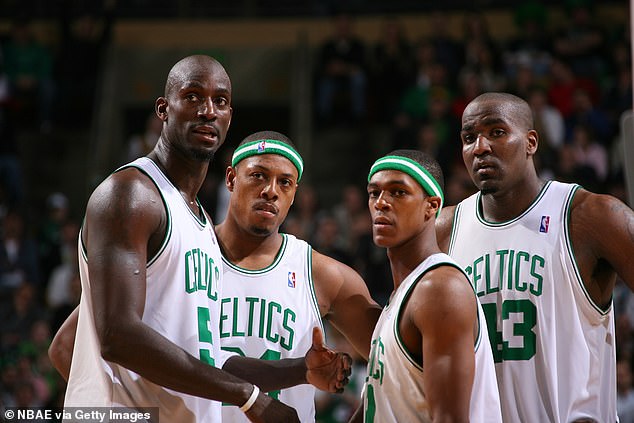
[
  {"x": 84, "y": 36},
  {"x": 530, "y": 46},
  {"x": 581, "y": 41},
  {"x": 447, "y": 50},
  {"x": 29, "y": 68},
  {"x": 328, "y": 239},
  {"x": 352, "y": 217},
  {"x": 550, "y": 124},
  {"x": 342, "y": 74},
  {"x": 480, "y": 59},
  {"x": 587, "y": 151},
  {"x": 392, "y": 69},
  {"x": 10, "y": 165},
  {"x": 304, "y": 214},
  {"x": 586, "y": 112},
  {"x": 142, "y": 143},
  {"x": 63, "y": 289},
  {"x": 49, "y": 233},
  {"x": 562, "y": 83},
  {"x": 617, "y": 93},
  {"x": 18, "y": 254},
  {"x": 17, "y": 319}
]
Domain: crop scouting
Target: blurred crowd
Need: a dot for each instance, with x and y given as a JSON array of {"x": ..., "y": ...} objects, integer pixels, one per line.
[{"x": 576, "y": 74}]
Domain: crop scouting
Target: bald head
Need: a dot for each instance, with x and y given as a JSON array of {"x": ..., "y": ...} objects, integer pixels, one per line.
[
  {"x": 193, "y": 65},
  {"x": 509, "y": 105}
]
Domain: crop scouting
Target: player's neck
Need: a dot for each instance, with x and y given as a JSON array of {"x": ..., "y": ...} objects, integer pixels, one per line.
[
  {"x": 186, "y": 175},
  {"x": 247, "y": 250},
  {"x": 506, "y": 205},
  {"x": 406, "y": 257}
]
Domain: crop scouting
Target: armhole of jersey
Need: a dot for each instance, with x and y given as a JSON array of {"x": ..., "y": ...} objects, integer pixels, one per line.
[
  {"x": 311, "y": 284},
  {"x": 397, "y": 320},
  {"x": 168, "y": 226},
  {"x": 454, "y": 227},
  {"x": 571, "y": 253},
  {"x": 397, "y": 335}
]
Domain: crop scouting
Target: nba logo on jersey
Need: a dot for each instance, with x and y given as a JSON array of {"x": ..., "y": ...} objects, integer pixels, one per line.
[
  {"x": 291, "y": 279},
  {"x": 261, "y": 146},
  {"x": 543, "y": 227}
]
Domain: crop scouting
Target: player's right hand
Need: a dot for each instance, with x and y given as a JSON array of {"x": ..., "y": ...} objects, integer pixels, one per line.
[{"x": 266, "y": 409}]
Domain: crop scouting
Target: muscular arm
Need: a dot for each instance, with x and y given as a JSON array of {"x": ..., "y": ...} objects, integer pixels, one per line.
[
  {"x": 439, "y": 321},
  {"x": 322, "y": 367},
  {"x": 345, "y": 301},
  {"x": 602, "y": 232},
  {"x": 318, "y": 367},
  {"x": 125, "y": 215}
]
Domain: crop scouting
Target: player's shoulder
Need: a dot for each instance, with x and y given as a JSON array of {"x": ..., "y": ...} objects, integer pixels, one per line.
[
  {"x": 592, "y": 207},
  {"x": 444, "y": 283},
  {"x": 442, "y": 291},
  {"x": 324, "y": 266},
  {"x": 126, "y": 189}
]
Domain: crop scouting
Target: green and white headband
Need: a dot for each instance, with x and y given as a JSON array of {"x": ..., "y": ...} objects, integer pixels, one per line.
[
  {"x": 257, "y": 147},
  {"x": 413, "y": 169}
]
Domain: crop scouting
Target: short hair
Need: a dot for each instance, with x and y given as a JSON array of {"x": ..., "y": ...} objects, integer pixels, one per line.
[
  {"x": 522, "y": 110},
  {"x": 183, "y": 68},
  {"x": 427, "y": 161}
]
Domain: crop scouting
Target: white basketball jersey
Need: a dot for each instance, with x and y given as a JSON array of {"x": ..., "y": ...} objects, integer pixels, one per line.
[
  {"x": 182, "y": 304},
  {"x": 270, "y": 314},
  {"x": 554, "y": 348},
  {"x": 393, "y": 390}
]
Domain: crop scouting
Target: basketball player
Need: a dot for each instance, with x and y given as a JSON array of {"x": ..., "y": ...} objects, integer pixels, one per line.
[
  {"x": 430, "y": 359},
  {"x": 543, "y": 257},
  {"x": 276, "y": 288},
  {"x": 150, "y": 264}
]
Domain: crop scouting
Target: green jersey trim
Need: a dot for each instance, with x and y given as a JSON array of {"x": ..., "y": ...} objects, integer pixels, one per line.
[
  {"x": 454, "y": 228},
  {"x": 571, "y": 253},
  {"x": 485, "y": 222},
  {"x": 397, "y": 333},
  {"x": 200, "y": 218},
  {"x": 406, "y": 352},
  {"x": 311, "y": 285},
  {"x": 274, "y": 263},
  {"x": 168, "y": 229}
]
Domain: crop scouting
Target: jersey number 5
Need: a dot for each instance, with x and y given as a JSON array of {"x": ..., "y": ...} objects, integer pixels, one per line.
[{"x": 522, "y": 315}]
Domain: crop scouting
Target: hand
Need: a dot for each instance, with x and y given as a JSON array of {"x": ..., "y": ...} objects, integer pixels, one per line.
[
  {"x": 266, "y": 409},
  {"x": 326, "y": 369}
]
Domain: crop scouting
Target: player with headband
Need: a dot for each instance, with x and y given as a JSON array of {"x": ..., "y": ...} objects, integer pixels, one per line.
[
  {"x": 276, "y": 287},
  {"x": 430, "y": 357}
]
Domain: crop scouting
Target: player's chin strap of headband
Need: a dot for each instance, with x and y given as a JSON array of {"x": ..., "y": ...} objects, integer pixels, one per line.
[
  {"x": 413, "y": 169},
  {"x": 254, "y": 148}
]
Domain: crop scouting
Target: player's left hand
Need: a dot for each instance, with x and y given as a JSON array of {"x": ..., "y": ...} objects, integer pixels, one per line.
[{"x": 326, "y": 369}]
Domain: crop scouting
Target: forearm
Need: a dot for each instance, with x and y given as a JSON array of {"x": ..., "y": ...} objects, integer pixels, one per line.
[
  {"x": 141, "y": 349},
  {"x": 269, "y": 375}
]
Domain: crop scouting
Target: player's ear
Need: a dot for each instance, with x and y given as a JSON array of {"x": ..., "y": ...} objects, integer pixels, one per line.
[
  {"x": 230, "y": 178},
  {"x": 434, "y": 205},
  {"x": 533, "y": 142},
  {"x": 161, "y": 108}
]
